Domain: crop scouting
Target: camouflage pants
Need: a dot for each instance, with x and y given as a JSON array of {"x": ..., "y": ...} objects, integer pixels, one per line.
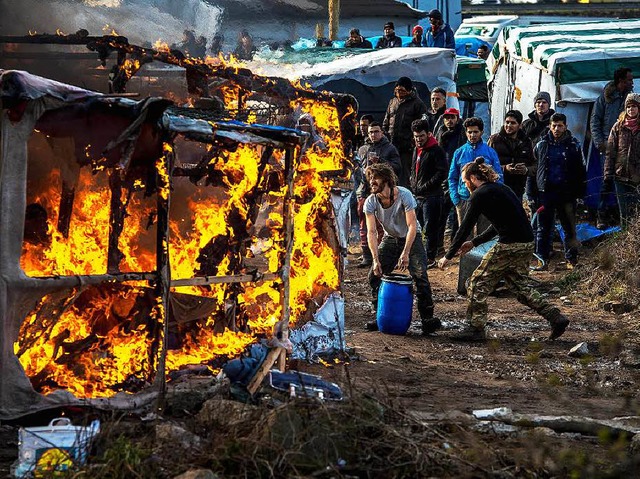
[{"x": 508, "y": 262}]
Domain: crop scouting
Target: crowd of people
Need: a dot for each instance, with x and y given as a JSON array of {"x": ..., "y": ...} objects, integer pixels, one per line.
[
  {"x": 440, "y": 35},
  {"x": 426, "y": 172}
]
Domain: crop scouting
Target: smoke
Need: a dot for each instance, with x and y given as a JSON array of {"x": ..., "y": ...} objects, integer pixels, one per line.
[{"x": 138, "y": 20}]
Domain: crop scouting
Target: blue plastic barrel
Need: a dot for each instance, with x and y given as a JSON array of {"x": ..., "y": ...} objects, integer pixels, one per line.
[{"x": 395, "y": 303}]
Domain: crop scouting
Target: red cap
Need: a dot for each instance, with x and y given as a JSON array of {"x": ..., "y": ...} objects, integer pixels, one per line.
[
  {"x": 417, "y": 28},
  {"x": 451, "y": 111}
]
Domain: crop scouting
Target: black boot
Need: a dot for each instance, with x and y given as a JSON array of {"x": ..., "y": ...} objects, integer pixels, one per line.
[
  {"x": 430, "y": 326},
  {"x": 559, "y": 323},
  {"x": 367, "y": 258},
  {"x": 470, "y": 333}
]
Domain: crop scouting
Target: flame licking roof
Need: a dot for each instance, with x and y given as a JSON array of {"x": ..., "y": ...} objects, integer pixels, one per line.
[{"x": 102, "y": 339}]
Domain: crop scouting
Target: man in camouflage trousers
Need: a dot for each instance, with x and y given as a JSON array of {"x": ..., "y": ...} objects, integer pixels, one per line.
[{"x": 507, "y": 260}]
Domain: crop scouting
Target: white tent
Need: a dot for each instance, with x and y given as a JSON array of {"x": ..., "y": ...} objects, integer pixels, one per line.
[{"x": 572, "y": 61}]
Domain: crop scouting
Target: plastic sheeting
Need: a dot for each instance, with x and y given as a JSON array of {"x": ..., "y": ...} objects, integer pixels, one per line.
[
  {"x": 21, "y": 85},
  {"x": 431, "y": 66},
  {"x": 322, "y": 335}
]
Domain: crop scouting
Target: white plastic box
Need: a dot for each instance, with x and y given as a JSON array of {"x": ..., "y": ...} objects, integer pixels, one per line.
[{"x": 53, "y": 448}]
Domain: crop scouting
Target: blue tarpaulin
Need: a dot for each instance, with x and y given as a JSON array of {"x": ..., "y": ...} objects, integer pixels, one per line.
[{"x": 586, "y": 232}]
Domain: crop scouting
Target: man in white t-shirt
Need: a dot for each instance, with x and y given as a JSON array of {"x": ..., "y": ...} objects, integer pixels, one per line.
[{"x": 395, "y": 208}]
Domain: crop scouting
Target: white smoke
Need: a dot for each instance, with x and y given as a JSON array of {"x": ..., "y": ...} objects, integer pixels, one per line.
[{"x": 138, "y": 20}]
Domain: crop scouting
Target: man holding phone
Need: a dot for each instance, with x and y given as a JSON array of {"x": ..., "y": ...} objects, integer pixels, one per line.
[
  {"x": 377, "y": 149},
  {"x": 515, "y": 152}
]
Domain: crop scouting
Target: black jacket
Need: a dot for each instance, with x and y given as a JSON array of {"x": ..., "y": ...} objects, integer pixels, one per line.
[
  {"x": 573, "y": 170},
  {"x": 432, "y": 171},
  {"x": 435, "y": 119},
  {"x": 363, "y": 43},
  {"x": 512, "y": 151},
  {"x": 391, "y": 42},
  {"x": 398, "y": 118},
  {"x": 451, "y": 140},
  {"x": 534, "y": 128}
]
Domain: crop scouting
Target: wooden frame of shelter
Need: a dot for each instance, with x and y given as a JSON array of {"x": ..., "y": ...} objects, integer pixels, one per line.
[{"x": 136, "y": 141}]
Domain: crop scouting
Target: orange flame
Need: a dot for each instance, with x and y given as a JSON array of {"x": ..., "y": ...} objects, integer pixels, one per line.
[{"x": 121, "y": 321}]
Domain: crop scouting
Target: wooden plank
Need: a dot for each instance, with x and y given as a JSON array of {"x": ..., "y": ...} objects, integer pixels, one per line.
[
  {"x": 264, "y": 369},
  {"x": 206, "y": 280}
]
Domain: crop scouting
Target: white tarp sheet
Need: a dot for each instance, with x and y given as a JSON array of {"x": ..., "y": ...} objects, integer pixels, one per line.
[{"x": 431, "y": 66}]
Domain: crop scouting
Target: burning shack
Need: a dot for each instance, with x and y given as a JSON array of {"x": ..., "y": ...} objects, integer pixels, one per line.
[{"x": 139, "y": 238}]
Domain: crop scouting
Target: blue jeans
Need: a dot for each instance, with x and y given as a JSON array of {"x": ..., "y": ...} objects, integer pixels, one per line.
[
  {"x": 429, "y": 212},
  {"x": 556, "y": 202},
  {"x": 628, "y": 201},
  {"x": 389, "y": 252}
]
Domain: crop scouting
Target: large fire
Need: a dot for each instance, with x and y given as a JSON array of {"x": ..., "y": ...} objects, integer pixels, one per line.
[{"x": 101, "y": 340}]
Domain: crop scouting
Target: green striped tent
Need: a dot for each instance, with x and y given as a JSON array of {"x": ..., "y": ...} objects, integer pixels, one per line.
[{"x": 572, "y": 61}]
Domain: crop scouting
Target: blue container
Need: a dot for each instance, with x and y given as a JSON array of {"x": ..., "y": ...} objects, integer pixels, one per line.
[{"x": 395, "y": 303}]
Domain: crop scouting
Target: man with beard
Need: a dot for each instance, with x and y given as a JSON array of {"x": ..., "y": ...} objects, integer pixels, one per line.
[
  {"x": 403, "y": 109},
  {"x": 377, "y": 149},
  {"x": 440, "y": 34},
  {"x": 450, "y": 136},
  {"x": 389, "y": 39},
  {"x": 395, "y": 208},
  {"x": 438, "y": 106},
  {"x": 507, "y": 260},
  {"x": 473, "y": 148},
  {"x": 515, "y": 152},
  {"x": 428, "y": 172}
]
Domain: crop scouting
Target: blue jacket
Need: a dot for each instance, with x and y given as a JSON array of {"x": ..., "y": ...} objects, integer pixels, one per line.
[
  {"x": 560, "y": 165},
  {"x": 466, "y": 154},
  {"x": 443, "y": 38}
]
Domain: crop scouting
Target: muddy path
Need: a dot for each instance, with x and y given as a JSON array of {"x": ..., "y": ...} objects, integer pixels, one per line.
[{"x": 518, "y": 367}]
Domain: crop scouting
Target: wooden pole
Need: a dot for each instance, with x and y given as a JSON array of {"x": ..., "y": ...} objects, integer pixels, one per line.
[
  {"x": 163, "y": 281},
  {"x": 278, "y": 355},
  {"x": 334, "y": 19}
]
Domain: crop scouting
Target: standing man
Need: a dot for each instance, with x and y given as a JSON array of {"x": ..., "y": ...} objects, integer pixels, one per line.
[
  {"x": 473, "y": 148},
  {"x": 507, "y": 260},
  {"x": 606, "y": 110},
  {"x": 389, "y": 39},
  {"x": 438, "y": 106},
  {"x": 428, "y": 172},
  {"x": 561, "y": 179},
  {"x": 405, "y": 107},
  {"x": 535, "y": 127},
  {"x": 395, "y": 207},
  {"x": 377, "y": 149},
  {"x": 440, "y": 34},
  {"x": 515, "y": 152},
  {"x": 450, "y": 136}
]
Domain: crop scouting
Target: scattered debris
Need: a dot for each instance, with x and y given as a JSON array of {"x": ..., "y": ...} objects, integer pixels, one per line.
[{"x": 579, "y": 350}]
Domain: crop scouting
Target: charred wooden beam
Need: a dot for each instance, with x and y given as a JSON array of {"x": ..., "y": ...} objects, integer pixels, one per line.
[
  {"x": 163, "y": 265},
  {"x": 242, "y": 77},
  {"x": 116, "y": 223},
  {"x": 66, "y": 208},
  {"x": 63, "y": 282}
]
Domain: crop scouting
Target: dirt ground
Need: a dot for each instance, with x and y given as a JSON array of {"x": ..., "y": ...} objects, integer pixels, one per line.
[
  {"x": 517, "y": 368},
  {"x": 432, "y": 378}
]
